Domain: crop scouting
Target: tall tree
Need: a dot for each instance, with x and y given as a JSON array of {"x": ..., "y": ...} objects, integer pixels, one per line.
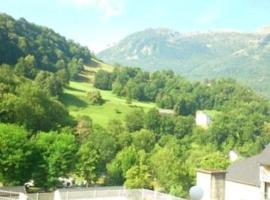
[
  {"x": 15, "y": 155},
  {"x": 57, "y": 157}
]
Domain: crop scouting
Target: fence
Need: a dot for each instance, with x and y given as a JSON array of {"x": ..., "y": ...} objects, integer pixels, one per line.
[
  {"x": 8, "y": 195},
  {"x": 40, "y": 196},
  {"x": 108, "y": 194}
]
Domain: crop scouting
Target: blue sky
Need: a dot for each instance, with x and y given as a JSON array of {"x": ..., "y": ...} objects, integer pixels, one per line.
[{"x": 97, "y": 23}]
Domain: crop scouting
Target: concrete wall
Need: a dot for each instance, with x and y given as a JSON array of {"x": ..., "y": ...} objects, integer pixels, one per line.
[
  {"x": 238, "y": 191},
  {"x": 212, "y": 184},
  {"x": 218, "y": 186},
  {"x": 204, "y": 181}
]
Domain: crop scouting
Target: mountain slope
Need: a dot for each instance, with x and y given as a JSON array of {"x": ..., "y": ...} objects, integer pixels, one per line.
[
  {"x": 197, "y": 56},
  {"x": 49, "y": 50}
]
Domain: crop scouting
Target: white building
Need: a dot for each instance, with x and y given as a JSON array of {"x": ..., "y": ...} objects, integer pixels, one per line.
[
  {"x": 247, "y": 179},
  {"x": 202, "y": 119}
]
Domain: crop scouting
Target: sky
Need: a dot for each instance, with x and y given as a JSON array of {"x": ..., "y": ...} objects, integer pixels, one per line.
[{"x": 100, "y": 23}]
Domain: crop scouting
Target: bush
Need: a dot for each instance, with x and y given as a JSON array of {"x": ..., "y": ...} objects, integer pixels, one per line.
[{"x": 95, "y": 97}]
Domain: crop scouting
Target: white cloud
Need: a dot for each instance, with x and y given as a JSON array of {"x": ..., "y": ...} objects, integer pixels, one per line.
[{"x": 109, "y": 8}]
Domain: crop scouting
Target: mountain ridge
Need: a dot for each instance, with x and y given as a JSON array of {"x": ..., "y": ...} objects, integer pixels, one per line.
[{"x": 199, "y": 55}]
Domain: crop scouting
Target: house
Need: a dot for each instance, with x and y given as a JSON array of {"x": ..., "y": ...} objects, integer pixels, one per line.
[
  {"x": 247, "y": 179},
  {"x": 202, "y": 119}
]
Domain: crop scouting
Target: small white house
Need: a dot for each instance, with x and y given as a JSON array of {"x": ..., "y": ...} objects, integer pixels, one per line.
[
  {"x": 247, "y": 179},
  {"x": 202, "y": 119}
]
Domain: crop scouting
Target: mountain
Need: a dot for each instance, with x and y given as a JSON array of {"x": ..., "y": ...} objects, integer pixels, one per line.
[
  {"x": 199, "y": 55},
  {"x": 21, "y": 40}
]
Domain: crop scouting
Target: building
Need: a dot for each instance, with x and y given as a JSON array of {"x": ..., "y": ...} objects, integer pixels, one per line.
[
  {"x": 202, "y": 119},
  {"x": 212, "y": 183},
  {"x": 247, "y": 179}
]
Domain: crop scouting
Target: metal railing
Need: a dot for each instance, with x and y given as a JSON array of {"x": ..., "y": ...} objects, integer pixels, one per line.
[
  {"x": 8, "y": 195},
  {"x": 110, "y": 194},
  {"x": 41, "y": 196}
]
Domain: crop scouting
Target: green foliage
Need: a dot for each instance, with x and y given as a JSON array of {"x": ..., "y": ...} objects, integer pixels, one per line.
[
  {"x": 215, "y": 160},
  {"x": 167, "y": 125},
  {"x": 57, "y": 155},
  {"x": 95, "y": 97},
  {"x": 151, "y": 150},
  {"x": 169, "y": 168},
  {"x": 202, "y": 56},
  {"x": 26, "y": 66},
  {"x": 139, "y": 175},
  {"x": 34, "y": 47},
  {"x": 123, "y": 161},
  {"x": 97, "y": 150},
  {"x": 74, "y": 67},
  {"x": 83, "y": 128},
  {"x": 15, "y": 155},
  {"x": 152, "y": 120},
  {"x": 47, "y": 113},
  {"x": 103, "y": 80},
  {"x": 135, "y": 120},
  {"x": 183, "y": 126},
  {"x": 143, "y": 140},
  {"x": 50, "y": 83}
]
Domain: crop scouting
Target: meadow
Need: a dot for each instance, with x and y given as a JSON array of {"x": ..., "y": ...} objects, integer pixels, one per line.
[{"x": 114, "y": 107}]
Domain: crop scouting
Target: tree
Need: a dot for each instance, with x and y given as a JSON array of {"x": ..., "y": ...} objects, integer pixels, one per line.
[
  {"x": 124, "y": 160},
  {"x": 167, "y": 124},
  {"x": 118, "y": 88},
  {"x": 186, "y": 105},
  {"x": 170, "y": 169},
  {"x": 143, "y": 140},
  {"x": 140, "y": 175},
  {"x": 134, "y": 120},
  {"x": 26, "y": 66},
  {"x": 50, "y": 83},
  {"x": 15, "y": 155},
  {"x": 75, "y": 66},
  {"x": 152, "y": 120},
  {"x": 183, "y": 126},
  {"x": 94, "y": 153},
  {"x": 83, "y": 128},
  {"x": 63, "y": 76},
  {"x": 57, "y": 153},
  {"x": 47, "y": 113},
  {"x": 134, "y": 90},
  {"x": 103, "y": 80},
  {"x": 95, "y": 97},
  {"x": 215, "y": 160}
]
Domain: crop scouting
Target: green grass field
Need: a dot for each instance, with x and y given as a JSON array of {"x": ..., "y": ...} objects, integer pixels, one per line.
[{"x": 114, "y": 107}]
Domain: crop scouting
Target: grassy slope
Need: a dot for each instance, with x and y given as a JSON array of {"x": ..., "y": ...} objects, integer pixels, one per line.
[{"x": 113, "y": 108}]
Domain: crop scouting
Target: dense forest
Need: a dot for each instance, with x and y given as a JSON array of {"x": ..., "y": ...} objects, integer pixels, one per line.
[
  {"x": 41, "y": 141},
  {"x": 31, "y": 48}
]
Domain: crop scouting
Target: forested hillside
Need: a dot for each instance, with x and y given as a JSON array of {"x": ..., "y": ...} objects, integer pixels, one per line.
[
  {"x": 138, "y": 146},
  {"x": 40, "y": 48},
  {"x": 198, "y": 56}
]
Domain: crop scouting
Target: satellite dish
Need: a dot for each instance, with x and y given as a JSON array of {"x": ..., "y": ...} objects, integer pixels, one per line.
[{"x": 196, "y": 193}]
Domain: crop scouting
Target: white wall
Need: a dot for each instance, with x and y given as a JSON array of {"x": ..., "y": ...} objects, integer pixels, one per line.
[
  {"x": 202, "y": 119},
  {"x": 204, "y": 181},
  {"x": 238, "y": 191}
]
